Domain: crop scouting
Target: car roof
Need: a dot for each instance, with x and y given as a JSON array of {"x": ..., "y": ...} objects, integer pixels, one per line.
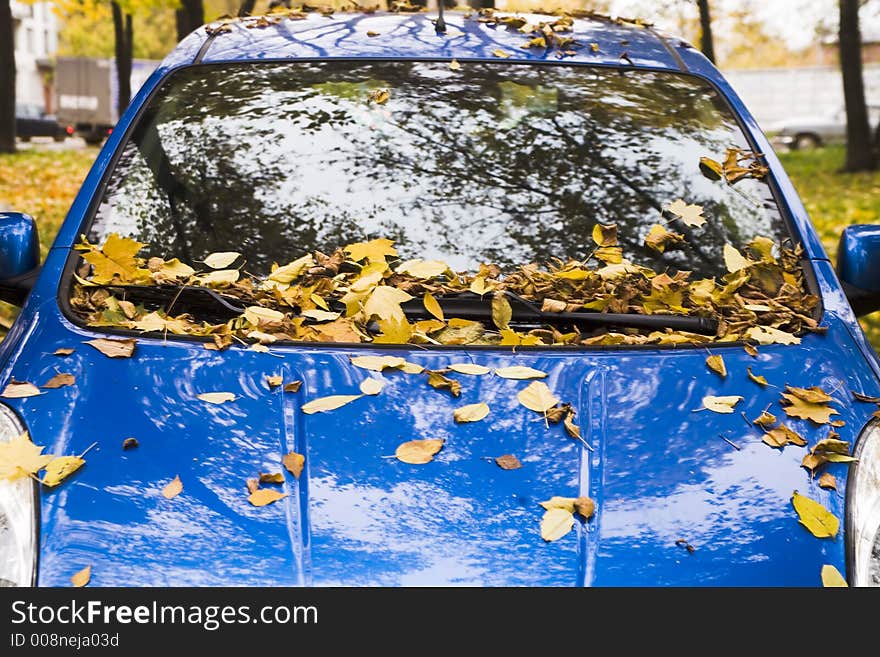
[{"x": 470, "y": 35}]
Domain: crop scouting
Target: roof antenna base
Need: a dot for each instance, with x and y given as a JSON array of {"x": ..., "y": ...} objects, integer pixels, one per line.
[{"x": 440, "y": 23}]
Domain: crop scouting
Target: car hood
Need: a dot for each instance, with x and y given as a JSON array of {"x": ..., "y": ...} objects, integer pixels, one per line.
[{"x": 659, "y": 471}]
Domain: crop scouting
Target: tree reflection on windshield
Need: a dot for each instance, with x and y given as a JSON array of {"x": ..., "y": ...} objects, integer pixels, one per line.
[{"x": 497, "y": 162}]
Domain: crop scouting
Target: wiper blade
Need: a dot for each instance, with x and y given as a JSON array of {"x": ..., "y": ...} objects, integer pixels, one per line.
[
  {"x": 470, "y": 306},
  {"x": 180, "y": 299}
]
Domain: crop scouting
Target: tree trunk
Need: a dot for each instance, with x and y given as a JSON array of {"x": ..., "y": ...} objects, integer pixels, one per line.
[
  {"x": 122, "y": 32},
  {"x": 707, "y": 43},
  {"x": 7, "y": 80},
  {"x": 190, "y": 16},
  {"x": 859, "y": 151},
  {"x": 247, "y": 7}
]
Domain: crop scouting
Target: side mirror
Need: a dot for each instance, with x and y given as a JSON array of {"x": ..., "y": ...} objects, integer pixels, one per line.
[
  {"x": 19, "y": 256},
  {"x": 858, "y": 266}
]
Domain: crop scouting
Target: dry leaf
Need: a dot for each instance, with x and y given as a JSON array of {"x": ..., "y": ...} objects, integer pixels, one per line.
[
  {"x": 294, "y": 463},
  {"x": 172, "y": 489},
  {"x": 585, "y": 507},
  {"x": 734, "y": 260},
  {"x": 216, "y": 397},
  {"x": 571, "y": 428},
  {"x": 63, "y": 351},
  {"x": 372, "y": 386},
  {"x": 816, "y": 413},
  {"x": 765, "y": 419},
  {"x": 760, "y": 380},
  {"x": 471, "y": 412},
  {"x": 658, "y": 238},
  {"x": 60, "y": 381},
  {"x": 831, "y": 577},
  {"x": 604, "y": 234},
  {"x": 690, "y": 215},
  {"x": 374, "y": 250},
  {"x": 716, "y": 364},
  {"x": 264, "y": 496},
  {"x": 828, "y": 480},
  {"x": 782, "y": 436},
  {"x": 498, "y": 52},
  {"x": 508, "y": 462},
  {"x": 331, "y": 403},
  {"x": 432, "y": 306},
  {"x": 767, "y": 335},
  {"x": 501, "y": 311},
  {"x": 721, "y": 404},
  {"x": 865, "y": 398},
  {"x": 271, "y": 478},
  {"x": 378, "y": 363},
  {"x": 424, "y": 269},
  {"x": 440, "y": 382},
  {"x": 274, "y": 380},
  {"x": 20, "y": 389},
  {"x": 318, "y": 315},
  {"x": 418, "y": 452},
  {"x": 815, "y": 517},
  {"x": 537, "y": 397},
  {"x": 81, "y": 578},
  {"x": 114, "y": 348},
  {"x": 380, "y": 96},
  {"x": 371, "y": 33},
  {"x": 454, "y": 65},
  {"x": 293, "y": 386},
  {"x": 253, "y": 485},
  {"x": 221, "y": 259},
  {"x": 751, "y": 350},
  {"x": 519, "y": 373},
  {"x": 20, "y": 458},
  {"x": 814, "y": 395},
  {"x": 129, "y": 443},
  {"x": 556, "y": 523},
  {"x": 468, "y": 368},
  {"x": 59, "y": 468}
]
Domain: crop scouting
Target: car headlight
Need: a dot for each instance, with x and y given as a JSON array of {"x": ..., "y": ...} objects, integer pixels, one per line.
[
  {"x": 18, "y": 521},
  {"x": 863, "y": 510}
]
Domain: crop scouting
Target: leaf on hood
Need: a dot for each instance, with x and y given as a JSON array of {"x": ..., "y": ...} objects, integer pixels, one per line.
[
  {"x": 537, "y": 397},
  {"x": 216, "y": 397},
  {"x": 498, "y": 52},
  {"x": 721, "y": 404},
  {"x": 519, "y": 372},
  {"x": 253, "y": 484},
  {"x": 734, "y": 260},
  {"x": 765, "y": 419},
  {"x": 471, "y": 412},
  {"x": 828, "y": 481},
  {"x": 469, "y": 368},
  {"x": 584, "y": 507},
  {"x": 331, "y": 403},
  {"x": 690, "y": 215},
  {"x": 424, "y": 269},
  {"x": 440, "y": 382},
  {"x": 814, "y": 395},
  {"x": 271, "y": 478},
  {"x": 508, "y": 462},
  {"x": 293, "y": 386},
  {"x": 221, "y": 259},
  {"x": 418, "y": 452},
  {"x": 760, "y": 380},
  {"x": 20, "y": 389},
  {"x": 378, "y": 363},
  {"x": 782, "y": 436},
  {"x": 501, "y": 311},
  {"x": 865, "y": 398},
  {"x": 20, "y": 458},
  {"x": 372, "y": 386},
  {"x": 81, "y": 578},
  {"x": 815, "y": 517},
  {"x": 658, "y": 238},
  {"x": 173, "y": 488},
  {"x": 556, "y": 523},
  {"x": 374, "y": 250},
  {"x": 432, "y": 306},
  {"x": 293, "y": 463},
  {"x": 274, "y": 380},
  {"x": 716, "y": 364},
  {"x": 59, "y": 468},
  {"x": 831, "y": 577},
  {"x": 571, "y": 428},
  {"x": 63, "y": 351},
  {"x": 129, "y": 443},
  {"x": 114, "y": 348},
  {"x": 264, "y": 496},
  {"x": 816, "y": 413},
  {"x": 768, "y": 335},
  {"x": 751, "y": 350}
]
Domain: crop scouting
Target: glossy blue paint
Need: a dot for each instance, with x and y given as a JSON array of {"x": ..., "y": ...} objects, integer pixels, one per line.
[
  {"x": 859, "y": 257},
  {"x": 659, "y": 470},
  {"x": 19, "y": 245}
]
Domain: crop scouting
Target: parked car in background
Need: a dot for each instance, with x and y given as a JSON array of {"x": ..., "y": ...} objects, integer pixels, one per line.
[
  {"x": 807, "y": 131},
  {"x": 31, "y": 121}
]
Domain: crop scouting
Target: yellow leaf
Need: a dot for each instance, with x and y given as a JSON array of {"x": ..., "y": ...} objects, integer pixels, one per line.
[
  {"x": 114, "y": 348},
  {"x": 768, "y": 335},
  {"x": 81, "y": 578},
  {"x": 286, "y": 274},
  {"x": 498, "y": 52},
  {"x": 480, "y": 286},
  {"x": 734, "y": 260},
  {"x": 501, "y": 311},
  {"x": 384, "y": 302},
  {"x": 609, "y": 254},
  {"x": 432, "y": 306},
  {"x": 520, "y": 373},
  {"x": 814, "y": 395},
  {"x": 782, "y": 436},
  {"x": 294, "y": 463},
  {"x": 418, "y": 452},
  {"x": 468, "y": 368},
  {"x": 271, "y": 478},
  {"x": 440, "y": 382},
  {"x": 319, "y": 315},
  {"x": 831, "y": 577},
  {"x": 293, "y": 386},
  {"x": 537, "y": 397},
  {"x": 264, "y": 496},
  {"x": 257, "y": 315},
  {"x": 716, "y": 364},
  {"x": 378, "y": 363},
  {"x": 319, "y": 301},
  {"x": 380, "y": 96},
  {"x": 471, "y": 412},
  {"x": 221, "y": 259},
  {"x": 63, "y": 351},
  {"x": 59, "y": 468},
  {"x": 557, "y": 502},
  {"x": 219, "y": 278},
  {"x": 721, "y": 404},
  {"x": 710, "y": 168},
  {"x": 690, "y": 215},
  {"x": 20, "y": 458},
  {"x": 115, "y": 260},
  {"x": 173, "y": 488},
  {"x": 454, "y": 65},
  {"x": 605, "y": 234},
  {"x": 20, "y": 389},
  {"x": 331, "y": 403},
  {"x": 658, "y": 238},
  {"x": 815, "y": 517},
  {"x": 174, "y": 269},
  {"x": 423, "y": 268},
  {"x": 395, "y": 330},
  {"x": 372, "y": 386},
  {"x": 760, "y": 380},
  {"x": 274, "y": 380},
  {"x": 556, "y": 523},
  {"x": 816, "y": 413},
  {"x": 374, "y": 250},
  {"x": 216, "y": 397},
  {"x": 828, "y": 481}
]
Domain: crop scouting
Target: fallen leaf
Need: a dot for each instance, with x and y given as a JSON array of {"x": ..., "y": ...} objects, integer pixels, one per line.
[
  {"x": 371, "y": 33},
  {"x": 734, "y": 260},
  {"x": 129, "y": 443},
  {"x": 59, "y": 381},
  {"x": 710, "y": 168},
  {"x": 216, "y": 397},
  {"x": 372, "y": 386},
  {"x": 468, "y": 368},
  {"x": 782, "y": 436},
  {"x": 418, "y": 452},
  {"x": 432, "y": 306},
  {"x": 374, "y": 250},
  {"x": 59, "y": 468},
  {"x": 831, "y": 577},
  {"x": 865, "y": 398},
  {"x": 293, "y": 386},
  {"x": 271, "y": 478},
  {"x": 81, "y": 578},
  {"x": 63, "y": 351},
  {"x": 274, "y": 380},
  {"x": 520, "y": 373},
  {"x": 173, "y": 488},
  {"x": 768, "y": 335},
  {"x": 750, "y": 350},
  {"x": 537, "y": 397},
  {"x": 556, "y": 523},
  {"x": 508, "y": 462},
  {"x": 331, "y": 403},
  {"x": 716, "y": 364},
  {"x": 721, "y": 404},
  {"x": 584, "y": 507},
  {"x": 571, "y": 428},
  {"x": 294, "y": 463},
  {"x": 20, "y": 389},
  {"x": 828, "y": 480},
  {"x": 424, "y": 269},
  {"x": 319, "y": 315},
  {"x": 765, "y": 419},
  {"x": 471, "y": 412},
  {"x": 258, "y": 315},
  {"x": 378, "y": 363},
  {"x": 501, "y": 311},
  {"x": 760, "y": 380},
  {"x": 440, "y": 382},
  {"x": 658, "y": 238},
  {"x": 604, "y": 234},
  {"x": 557, "y": 502},
  {"x": 690, "y": 215},
  {"x": 454, "y": 65},
  {"x": 815, "y": 517},
  {"x": 380, "y": 96},
  {"x": 814, "y": 395},
  {"x": 816, "y": 413},
  {"x": 21, "y": 458},
  {"x": 253, "y": 485},
  {"x": 114, "y": 348},
  {"x": 221, "y": 259},
  {"x": 498, "y": 52},
  {"x": 264, "y": 496}
]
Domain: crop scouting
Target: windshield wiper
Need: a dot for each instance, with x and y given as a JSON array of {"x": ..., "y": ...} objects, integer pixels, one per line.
[
  {"x": 181, "y": 299},
  {"x": 470, "y": 306}
]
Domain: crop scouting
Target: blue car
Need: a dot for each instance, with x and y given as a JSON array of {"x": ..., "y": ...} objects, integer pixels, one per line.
[{"x": 500, "y": 300}]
